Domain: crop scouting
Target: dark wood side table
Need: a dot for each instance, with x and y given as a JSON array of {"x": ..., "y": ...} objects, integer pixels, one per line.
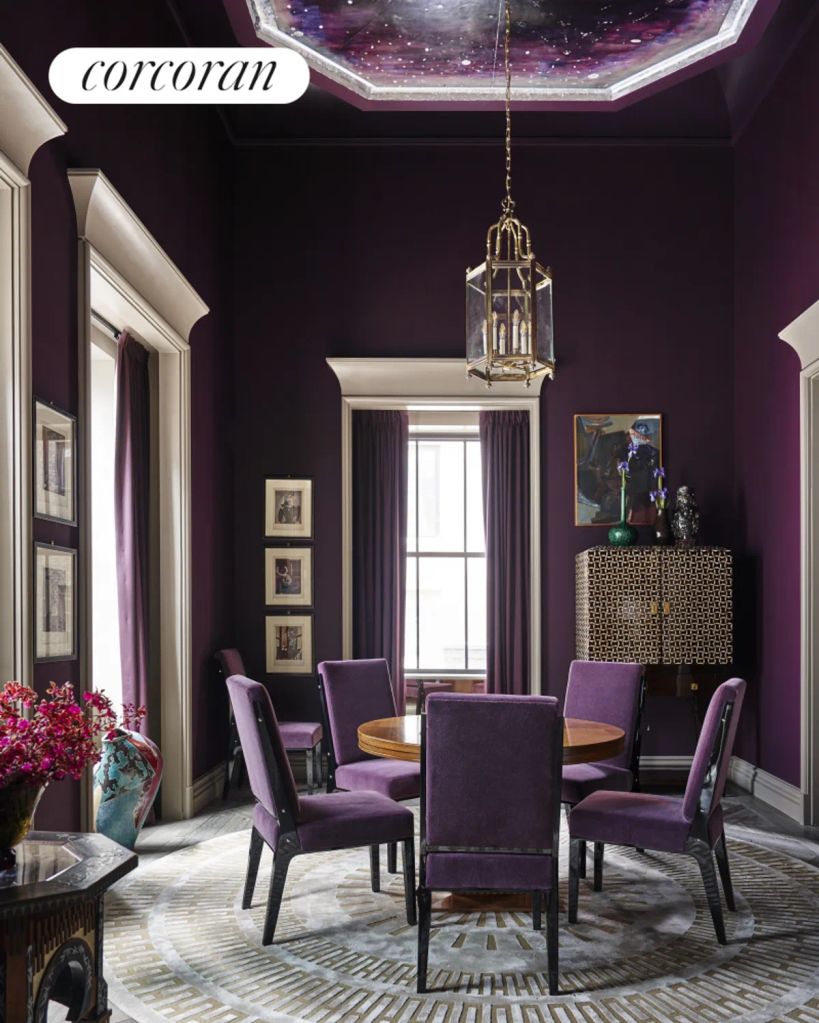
[{"x": 51, "y": 925}]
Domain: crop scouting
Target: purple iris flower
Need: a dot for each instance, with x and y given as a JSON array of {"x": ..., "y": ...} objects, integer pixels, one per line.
[
  {"x": 622, "y": 466},
  {"x": 633, "y": 448},
  {"x": 652, "y": 495},
  {"x": 659, "y": 473},
  {"x": 663, "y": 493}
]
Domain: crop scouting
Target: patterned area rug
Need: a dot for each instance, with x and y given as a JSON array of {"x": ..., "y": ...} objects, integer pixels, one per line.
[{"x": 179, "y": 947}]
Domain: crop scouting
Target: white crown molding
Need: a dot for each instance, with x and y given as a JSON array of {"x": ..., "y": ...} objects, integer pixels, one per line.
[
  {"x": 422, "y": 378},
  {"x": 26, "y": 120},
  {"x": 803, "y": 335},
  {"x": 114, "y": 231}
]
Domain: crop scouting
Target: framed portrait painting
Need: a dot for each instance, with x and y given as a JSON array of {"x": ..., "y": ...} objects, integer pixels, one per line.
[
  {"x": 55, "y": 443},
  {"x": 288, "y": 507},
  {"x": 55, "y": 602},
  {"x": 601, "y": 440},
  {"x": 289, "y": 644},
  {"x": 288, "y": 576}
]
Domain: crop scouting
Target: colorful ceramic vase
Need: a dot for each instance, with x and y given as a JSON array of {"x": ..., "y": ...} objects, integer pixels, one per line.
[
  {"x": 622, "y": 535},
  {"x": 125, "y": 784},
  {"x": 18, "y": 802}
]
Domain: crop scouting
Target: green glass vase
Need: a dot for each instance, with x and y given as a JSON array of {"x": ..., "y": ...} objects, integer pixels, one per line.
[{"x": 622, "y": 535}]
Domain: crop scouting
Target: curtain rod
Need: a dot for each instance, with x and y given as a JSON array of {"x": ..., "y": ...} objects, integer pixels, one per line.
[{"x": 106, "y": 323}]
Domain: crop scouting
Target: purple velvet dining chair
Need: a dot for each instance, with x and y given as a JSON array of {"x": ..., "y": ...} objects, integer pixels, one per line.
[
  {"x": 353, "y": 692},
  {"x": 612, "y": 692},
  {"x": 691, "y": 824},
  {"x": 291, "y": 824},
  {"x": 298, "y": 736},
  {"x": 490, "y": 808}
]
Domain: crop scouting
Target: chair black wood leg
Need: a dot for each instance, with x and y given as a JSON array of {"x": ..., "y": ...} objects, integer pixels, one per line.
[
  {"x": 392, "y": 857},
  {"x": 552, "y": 907},
  {"x": 317, "y": 761},
  {"x": 537, "y": 908},
  {"x": 311, "y": 781},
  {"x": 281, "y": 862},
  {"x": 408, "y": 858},
  {"x": 702, "y": 854},
  {"x": 574, "y": 878},
  {"x": 721, "y": 853},
  {"x": 582, "y": 861},
  {"x": 253, "y": 857},
  {"x": 598, "y": 866},
  {"x": 375, "y": 868},
  {"x": 424, "y": 921}
]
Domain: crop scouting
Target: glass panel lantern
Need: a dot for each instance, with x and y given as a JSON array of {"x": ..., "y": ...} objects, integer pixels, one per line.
[{"x": 509, "y": 330}]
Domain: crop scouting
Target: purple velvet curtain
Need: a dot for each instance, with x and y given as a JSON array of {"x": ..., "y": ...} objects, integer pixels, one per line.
[
  {"x": 380, "y": 452},
  {"x": 505, "y": 461},
  {"x": 131, "y": 504}
]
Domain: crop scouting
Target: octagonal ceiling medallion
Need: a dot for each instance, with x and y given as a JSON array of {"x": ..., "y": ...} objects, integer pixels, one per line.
[{"x": 594, "y": 51}]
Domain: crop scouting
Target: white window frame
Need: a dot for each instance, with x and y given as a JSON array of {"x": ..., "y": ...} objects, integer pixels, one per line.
[
  {"x": 432, "y": 384},
  {"x": 126, "y": 277},
  {"x": 26, "y": 122},
  {"x": 417, "y": 555}
]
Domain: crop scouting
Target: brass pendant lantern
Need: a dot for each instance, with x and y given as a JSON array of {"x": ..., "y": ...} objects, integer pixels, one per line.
[{"x": 509, "y": 326}]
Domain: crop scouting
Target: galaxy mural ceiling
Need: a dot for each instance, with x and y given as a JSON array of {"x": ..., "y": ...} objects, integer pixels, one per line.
[{"x": 597, "y": 51}]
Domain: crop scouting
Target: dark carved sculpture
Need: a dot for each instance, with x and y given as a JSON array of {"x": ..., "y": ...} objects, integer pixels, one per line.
[{"x": 685, "y": 522}]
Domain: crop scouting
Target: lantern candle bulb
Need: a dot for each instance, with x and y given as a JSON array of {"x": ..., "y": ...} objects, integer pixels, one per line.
[{"x": 516, "y": 332}]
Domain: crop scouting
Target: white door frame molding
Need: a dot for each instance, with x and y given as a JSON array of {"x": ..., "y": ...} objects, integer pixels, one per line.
[
  {"x": 428, "y": 384},
  {"x": 26, "y": 122},
  {"x": 127, "y": 278},
  {"x": 803, "y": 336}
]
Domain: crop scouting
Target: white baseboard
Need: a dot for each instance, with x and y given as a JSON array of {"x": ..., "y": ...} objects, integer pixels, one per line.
[
  {"x": 206, "y": 789},
  {"x": 779, "y": 794}
]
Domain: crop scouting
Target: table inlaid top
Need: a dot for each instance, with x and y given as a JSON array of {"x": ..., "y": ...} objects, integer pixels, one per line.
[{"x": 400, "y": 739}]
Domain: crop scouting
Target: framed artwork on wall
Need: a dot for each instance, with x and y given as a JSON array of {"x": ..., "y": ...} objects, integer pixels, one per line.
[
  {"x": 288, "y": 507},
  {"x": 601, "y": 441},
  {"x": 288, "y": 576},
  {"x": 55, "y": 603},
  {"x": 55, "y": 443},
  {"x": 289, "y": 644}
]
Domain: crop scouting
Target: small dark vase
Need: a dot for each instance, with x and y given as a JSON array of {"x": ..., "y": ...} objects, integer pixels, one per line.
[
  {"x": 18, "y": 803},
  {"x": 662, "y": 530}
]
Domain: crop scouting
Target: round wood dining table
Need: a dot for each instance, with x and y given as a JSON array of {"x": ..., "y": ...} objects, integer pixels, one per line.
[{"x": 400, "y": 739}]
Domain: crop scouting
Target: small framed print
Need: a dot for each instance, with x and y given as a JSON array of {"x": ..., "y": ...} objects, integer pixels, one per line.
[
  {"x": 288, "y": 576},
  {"x": 289, "y": 643},
  {"x": 55, "y": 443},
  {"x": 288, "y": 507},
  {"x": 55, "y": 604}
]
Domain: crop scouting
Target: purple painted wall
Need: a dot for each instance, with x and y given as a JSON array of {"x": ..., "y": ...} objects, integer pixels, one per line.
[
  {"x": 171, "y": 166},
  {"x": 360, "y": 251},
  {"x": 777, "y": 278}
]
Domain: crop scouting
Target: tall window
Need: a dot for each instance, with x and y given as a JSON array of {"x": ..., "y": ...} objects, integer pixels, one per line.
[{"x": 446, "y": 563}]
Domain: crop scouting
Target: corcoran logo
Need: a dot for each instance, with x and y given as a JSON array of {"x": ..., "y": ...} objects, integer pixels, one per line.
[{"x": 260, "y": 74}]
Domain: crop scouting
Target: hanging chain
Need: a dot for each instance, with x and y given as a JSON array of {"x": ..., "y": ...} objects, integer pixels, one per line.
[{"x": 508, "y": 205}]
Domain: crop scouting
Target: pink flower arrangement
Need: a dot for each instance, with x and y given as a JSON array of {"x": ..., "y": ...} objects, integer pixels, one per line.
[{"x": 46, "y": 739}]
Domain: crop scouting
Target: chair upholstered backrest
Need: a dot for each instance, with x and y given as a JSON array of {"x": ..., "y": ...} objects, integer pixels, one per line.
[
  {"x": 491, "y": 772},
  {"x": 230, "y": 662},
  {"x": 607, "y": 691},
  {"x": 251, "y": 704},
  {"x": 732, "y": 693},
  {"x": 354, "y": 692}
]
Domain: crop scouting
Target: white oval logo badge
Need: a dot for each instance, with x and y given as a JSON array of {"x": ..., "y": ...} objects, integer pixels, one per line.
[{"x": 216, "y": 75}]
